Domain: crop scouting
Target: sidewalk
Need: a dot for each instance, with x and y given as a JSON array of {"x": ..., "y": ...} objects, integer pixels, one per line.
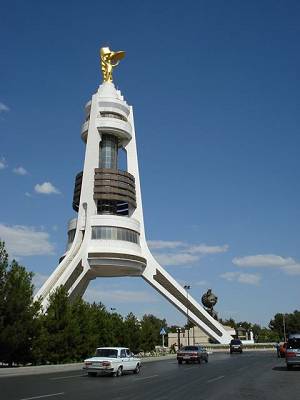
[{"x": 49, "y": 369}]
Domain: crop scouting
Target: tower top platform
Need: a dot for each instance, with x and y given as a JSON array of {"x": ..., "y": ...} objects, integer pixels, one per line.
[{"x": 108, "y": 89}]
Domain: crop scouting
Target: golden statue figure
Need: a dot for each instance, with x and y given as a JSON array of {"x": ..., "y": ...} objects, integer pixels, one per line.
[{"x": 109, "y": 60}]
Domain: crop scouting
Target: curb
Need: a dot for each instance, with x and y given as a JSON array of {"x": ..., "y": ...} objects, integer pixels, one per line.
[{"x": 51, "y": 369}]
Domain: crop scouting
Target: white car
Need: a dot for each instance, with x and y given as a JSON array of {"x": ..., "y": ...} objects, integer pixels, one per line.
[{"x": 113, "y": 361}]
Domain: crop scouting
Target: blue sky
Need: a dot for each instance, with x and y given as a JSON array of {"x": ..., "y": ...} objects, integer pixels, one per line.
[{"x": 216, "y": 91}]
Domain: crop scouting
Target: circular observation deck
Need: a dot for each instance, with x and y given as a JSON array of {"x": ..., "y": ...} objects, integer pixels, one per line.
[
  {"x": 110, "y": 264},
  {"x": 111, "y": 122}
]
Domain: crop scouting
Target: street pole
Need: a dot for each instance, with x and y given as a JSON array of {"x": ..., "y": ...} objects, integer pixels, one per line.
[
  {"x": 284, "y": 327},
  {"x": 163, "y": 333},
  {"x": 193, "y": 336},
  {"x": 187, "y": 287},
  {"x": 178, "y": 337}
]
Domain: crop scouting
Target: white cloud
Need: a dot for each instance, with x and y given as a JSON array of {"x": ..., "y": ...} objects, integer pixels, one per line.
[
  {"x": 190, "y": 248},
  {"x": 27, "y": 194},
  {"x": 22, "y": 241},
  {"x": 229, "y": 276},
  {"x": 4, "y": 108},
  {"x": 262, "y": 260},
  {"x": 181, "y": 253},
  {"x": 20, "y": 171},
  {"x": 164, "y": 244},
  {"x": 250, "y": 279},
  {"x": 286, "y": 264},
  {"x": 205, "y": 249},
  {"x": 292, "y": 269},
  {"x": 2, "y": 163},
  {"x": 176, "y": 259},
  {"x": 46, "y": 188},
  {"x": 124, "y": 296}
]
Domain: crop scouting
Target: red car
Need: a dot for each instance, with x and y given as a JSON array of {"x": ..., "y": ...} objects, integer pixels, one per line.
[
  {"x": 192, "y": 353},
  {"x": 282, "y": 350}
]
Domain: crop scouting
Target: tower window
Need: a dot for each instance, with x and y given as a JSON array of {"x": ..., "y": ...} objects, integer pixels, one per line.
[
  {"x": 109, "y": 152},
  {"x": 112, "y": 115},
  {"x": 71, "y": 235},
  {"x": 115, "y": 233}
]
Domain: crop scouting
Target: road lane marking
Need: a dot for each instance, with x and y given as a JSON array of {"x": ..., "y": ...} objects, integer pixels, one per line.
[
  {"x": 65, "y": 377},
  {"x": 146, "y": 377},
  {"x": 43, "y": 396},
  {"x": 215, "y": 379}
]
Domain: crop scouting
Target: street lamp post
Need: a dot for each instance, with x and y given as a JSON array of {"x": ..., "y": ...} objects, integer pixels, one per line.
[
  {"x": 187, "y": 287},
  {"x": 178, "y": 330},
  {"x": 193, "y": 335},
  {"x": 284, "y": 326}
]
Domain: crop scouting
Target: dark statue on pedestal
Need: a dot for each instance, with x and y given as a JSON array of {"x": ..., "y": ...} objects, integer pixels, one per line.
[{"x": 209, "y": 300}]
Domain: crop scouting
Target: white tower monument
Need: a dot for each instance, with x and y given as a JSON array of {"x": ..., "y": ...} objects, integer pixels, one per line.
[{"x": 107, "y": 239}]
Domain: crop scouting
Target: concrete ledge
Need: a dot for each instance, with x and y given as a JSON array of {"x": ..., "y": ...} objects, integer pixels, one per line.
[
  {"x": 39, "y": 369},
  {"x": 51, "y": 369}
]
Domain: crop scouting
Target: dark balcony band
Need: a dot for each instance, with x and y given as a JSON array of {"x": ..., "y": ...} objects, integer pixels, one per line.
[
  {"x": 117, "y": 186},
  {"x": 122, "y": 256},
  {"x": 113, "y": 172},
  {"x": 114, "y": 185}
]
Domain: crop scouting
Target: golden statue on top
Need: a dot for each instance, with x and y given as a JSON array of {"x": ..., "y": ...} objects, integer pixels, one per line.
[{"x": 109, "y": 60}]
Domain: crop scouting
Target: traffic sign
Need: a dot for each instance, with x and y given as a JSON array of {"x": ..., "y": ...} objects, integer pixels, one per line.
[{"x": 162, "y": 332}]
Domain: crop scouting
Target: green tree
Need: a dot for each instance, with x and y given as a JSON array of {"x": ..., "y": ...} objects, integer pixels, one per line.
[
  {"x": 173, "y": 328},
  {"x": 40, "y": 342},
  {"x": 276, "y": 325},
  {"x": 246, "y": 325},
  {"x": 18, "y": 314},
  {"x": 115, "y": 327},
  {"x": 266, "y": 336},
  {"x": 256, "y": 329},
  {"x": 100, "y": 326},
  {"x": 291, "y": 321},
  {"x": 228, "y": 322},
  {"x": 150, "y": 332},
  {"x": 62, "y": 330},
  {"x": 3, "y": 271},
  {"x": 132, "y": 329},
  {"x": 87, "y": 342}
]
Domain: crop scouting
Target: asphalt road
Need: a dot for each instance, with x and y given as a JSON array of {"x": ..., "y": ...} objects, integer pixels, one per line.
[{"x": 252, "y": 375}]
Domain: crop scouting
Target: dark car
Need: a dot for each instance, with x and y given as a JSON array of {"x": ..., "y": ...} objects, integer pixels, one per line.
[
  {"x": 192, "y": 353},
  {"x": 236, "y": 346},
  {"x": 292, "y": 353}
]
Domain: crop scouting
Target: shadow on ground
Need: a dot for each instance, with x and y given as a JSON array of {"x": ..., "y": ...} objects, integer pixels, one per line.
[{"x": 284, "y": 369}]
